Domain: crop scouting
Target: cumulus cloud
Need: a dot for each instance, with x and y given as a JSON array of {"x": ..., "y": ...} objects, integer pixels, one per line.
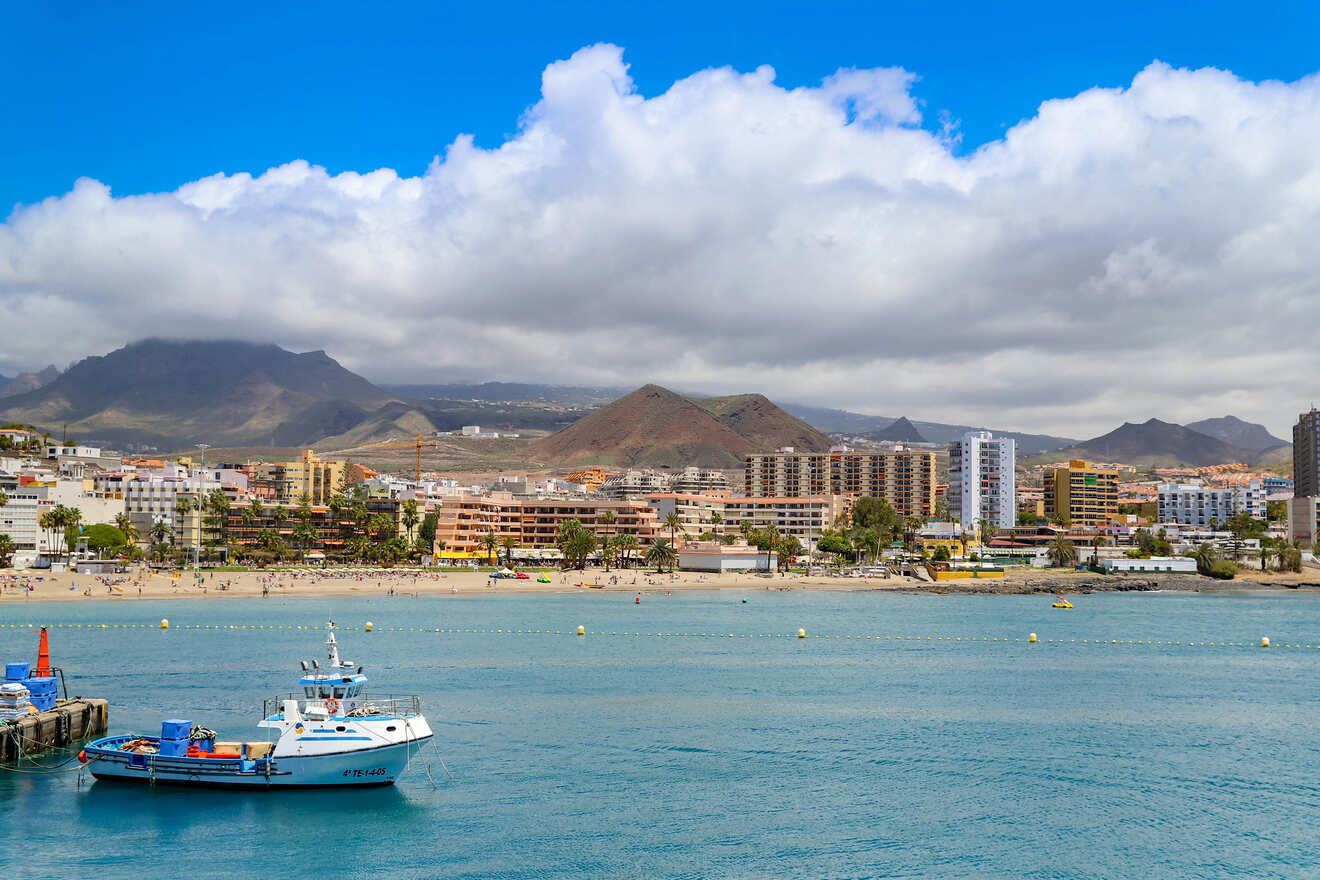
[{"x": 1126, "y": 252}]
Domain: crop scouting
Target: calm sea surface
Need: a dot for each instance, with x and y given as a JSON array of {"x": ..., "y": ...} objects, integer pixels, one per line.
[{"x": 756, "y": 756}]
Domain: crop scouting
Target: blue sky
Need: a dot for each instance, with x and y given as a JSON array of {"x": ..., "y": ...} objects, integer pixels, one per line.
[
  {"x": 629, "y": 210},
  {"x": 147, "y": 96}
]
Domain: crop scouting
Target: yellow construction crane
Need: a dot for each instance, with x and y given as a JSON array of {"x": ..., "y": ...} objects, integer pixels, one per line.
[{"x": 417, "y": 444}]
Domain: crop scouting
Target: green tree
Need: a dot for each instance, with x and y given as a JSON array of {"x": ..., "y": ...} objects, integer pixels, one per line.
[
  {"x": 7, "y": 550},
  {"x": 578, "y": 547},
  {"x": 1205, "y": 557},
  {"x": 124, "y": 523},
  {"x": 304, "y": 509},
  {"x": 607, "y": 519},
  {"x": 103, "y": 539},
  {"x": 279, "y": 515},
  {"x": 877, "y": 514},
  {"x": 766, "y": 539},
  {"x": 1062, "y": 552},
  {"x": 832, "y": 542},
  {"x": 716, "y": 519},
  {"x": 941, "y": 510},
  {"x": 430, "y": 523},
  {"x": 216, "y": 507},
  {"x": 306, "y": 534},
  {"x": 674, "y": 524},
  {"x": 941, "y": 554},
  {"x": 489, "y": 542},
  {"x": 1267, "y": 549},
  {"x": 1029, "y": 518},
  {"x": 627, "y": 545},
  {"x": 787, "y": 547},
  {"x": 509, "y": 543},
  {"x": 409, "y": 516},
  {"x": 661, "y": 554}
]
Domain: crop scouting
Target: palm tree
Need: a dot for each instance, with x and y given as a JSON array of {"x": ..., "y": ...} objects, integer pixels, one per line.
[
  {"x": 124, "y": 523},
  {"x": 1267, "y": 550},
  {"x": 305, "y": 533},
  {"x": 489, "y": 542},
  {"x": 508, "y": 542},
  {"x": 1062, "y": 552},
  {"x": 607, "y": 518},
  {"x": 280, "y": 515},
  {"x": 1205, "y": 557},
  {"x": 409, "y": 516},
  {"x": 4, "y": 499},
  {"x": 715, "y": 519},
  {"x": 674, "y": 524},
  {"x": 6, "y": 551},
  {"x": 256, "y": 508},
  {"x": 770, "y": 536},
  {"x": 627, "y": 545},
  {"x": 661, "y": 554},
  {"x": 578, "y": 546},
  {"x": 304, "y": 510},
  {"x": 914, "y": 524}
]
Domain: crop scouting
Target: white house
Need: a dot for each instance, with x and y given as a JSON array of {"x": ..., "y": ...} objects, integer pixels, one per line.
[{"x": 1153, "y": 564}]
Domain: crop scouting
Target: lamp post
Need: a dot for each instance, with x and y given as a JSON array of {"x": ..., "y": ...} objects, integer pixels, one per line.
[{"x": 197, "y": 534}]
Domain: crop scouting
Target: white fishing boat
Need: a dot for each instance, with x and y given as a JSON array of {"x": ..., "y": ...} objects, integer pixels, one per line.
[{"x": 335, "y": 733}]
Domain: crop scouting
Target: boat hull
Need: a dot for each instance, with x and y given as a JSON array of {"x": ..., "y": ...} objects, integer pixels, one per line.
[{"x": 359, "y": 768}]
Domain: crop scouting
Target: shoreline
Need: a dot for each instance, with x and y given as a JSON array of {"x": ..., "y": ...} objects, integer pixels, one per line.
[{"x": 386, "y": 583}]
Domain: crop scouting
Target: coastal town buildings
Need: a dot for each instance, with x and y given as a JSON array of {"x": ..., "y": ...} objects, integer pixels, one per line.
[
  {"x": 903, "y": 476},
  {"x": 289, "y": 481},
  {"x": 533, "y": 523},
  {"x": 1201, "y": 505},
  {"x": 28, "y": 497},
  {"x": 1081, "y": 493},
  {"x": 982, "y": 479}
]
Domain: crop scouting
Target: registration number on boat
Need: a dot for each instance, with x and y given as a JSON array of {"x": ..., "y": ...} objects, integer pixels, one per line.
[{"x": 374, "y": 771}]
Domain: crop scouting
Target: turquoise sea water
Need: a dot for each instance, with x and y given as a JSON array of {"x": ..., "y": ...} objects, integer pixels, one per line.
[{"x": 691, "y": 756}]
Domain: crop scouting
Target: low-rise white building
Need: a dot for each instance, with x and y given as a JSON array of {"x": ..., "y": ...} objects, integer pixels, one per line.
[
  {"x": 1196, "y": 505},
  {"x": 715, "y": 556},
  {"x": 1153, "y": 564}
]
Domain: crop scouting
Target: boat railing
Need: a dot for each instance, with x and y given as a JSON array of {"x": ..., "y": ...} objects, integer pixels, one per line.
[{"x": 361, "y": 706}]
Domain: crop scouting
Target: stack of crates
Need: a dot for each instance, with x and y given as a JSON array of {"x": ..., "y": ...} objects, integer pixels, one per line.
[
  {"x": 42, "y": 692},
  {"x": 13, "y": 700},
  {"x": 174, "y": 736}
]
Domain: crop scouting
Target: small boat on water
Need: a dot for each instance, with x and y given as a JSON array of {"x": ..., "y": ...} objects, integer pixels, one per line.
[
  {"x": 334, "y": 733},
  {"x": 1061, "y": 602}
]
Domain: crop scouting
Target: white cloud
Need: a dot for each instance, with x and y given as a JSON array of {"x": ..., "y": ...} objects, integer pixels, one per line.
[{"x": 1124, "y": 253}]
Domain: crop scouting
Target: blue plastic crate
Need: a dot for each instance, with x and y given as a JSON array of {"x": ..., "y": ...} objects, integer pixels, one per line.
[
  {"x": 173, "y": 748},
  {"x": 175, "y": 728},
  {"x": 17, "y": 671},
  {"x": 43, "y": 685},
  {"x": 43, "y": 702}
]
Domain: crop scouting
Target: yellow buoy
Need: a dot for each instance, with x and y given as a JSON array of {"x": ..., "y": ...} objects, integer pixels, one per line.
[
  {"x": 1031, "y": 637},
  {"x": 369, "y": 626},
  {"x": 802, "y": 633},
  {"x": 164, "y": 623},
  {"x": 1264, "y": 641},
  {"x": 582, "y": 630}
]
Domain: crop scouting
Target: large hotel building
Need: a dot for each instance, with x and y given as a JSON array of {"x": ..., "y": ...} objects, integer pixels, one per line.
[{"x": 904, "y": 477}]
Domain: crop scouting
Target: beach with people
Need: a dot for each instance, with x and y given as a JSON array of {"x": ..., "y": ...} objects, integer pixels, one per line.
[{"x": 141, "y": 582}]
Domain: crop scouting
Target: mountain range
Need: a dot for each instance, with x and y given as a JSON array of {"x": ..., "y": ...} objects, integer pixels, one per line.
[
  {"x": 1157, "y": 443},
  {"x": 171, "y": 394}
]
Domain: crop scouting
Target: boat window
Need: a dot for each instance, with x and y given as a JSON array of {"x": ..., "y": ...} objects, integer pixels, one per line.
[
  {"x": 325, "y": 692},
  {"x": 355, "y": 690},
  {"x": 339, "y": 693},
  {"x": 309, "y": 691}
]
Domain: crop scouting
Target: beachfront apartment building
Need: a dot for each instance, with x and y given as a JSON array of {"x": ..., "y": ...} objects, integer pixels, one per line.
[
  {"x": 983, "y": 479},
  {"x": 696, "y": 512},
  {"x": 1081, "y": 493},
  {"x": 903, "y": 476},
  {"x": 534, "y": 522},
  {"x": 1198, "y": 505},
  {"x": 1306, "y": 454},
  {"x": 803, "y": 518}
]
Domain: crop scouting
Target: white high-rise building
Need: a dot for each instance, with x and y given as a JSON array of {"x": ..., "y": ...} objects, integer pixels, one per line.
[{"x": 983, "y": 480}]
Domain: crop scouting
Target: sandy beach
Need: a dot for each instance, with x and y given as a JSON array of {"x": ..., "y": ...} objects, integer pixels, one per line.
[{"x": 44, "y": 586}]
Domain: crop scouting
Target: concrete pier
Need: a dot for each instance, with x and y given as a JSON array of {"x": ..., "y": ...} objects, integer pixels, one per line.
[{"x": 69, "y": 722}]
